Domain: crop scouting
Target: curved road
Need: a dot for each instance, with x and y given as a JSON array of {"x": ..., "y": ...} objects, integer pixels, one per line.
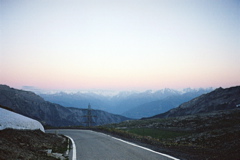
[{"x": 92, "y": 145}]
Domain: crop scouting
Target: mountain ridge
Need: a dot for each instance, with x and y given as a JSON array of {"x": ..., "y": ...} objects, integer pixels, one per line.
[
  {"x": 31, "y": 105},
  {"x": 219, "y": 99},
  {"x": 124, "y": 102},
  {"x": 163, "y": 105}
]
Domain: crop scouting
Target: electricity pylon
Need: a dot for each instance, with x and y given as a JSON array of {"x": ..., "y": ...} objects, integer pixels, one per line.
[{"x": 89, "y": 116}]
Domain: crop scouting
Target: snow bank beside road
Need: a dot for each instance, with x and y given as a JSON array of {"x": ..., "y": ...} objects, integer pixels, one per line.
[{"x": 13, "y": 120}]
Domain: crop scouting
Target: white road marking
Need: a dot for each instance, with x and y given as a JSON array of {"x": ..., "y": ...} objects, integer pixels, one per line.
[
  {"x": 140, "y": 146},
  {"x": 74, "y": 157},
  {"x": 146, "y": 149},
  {"x": 162, "y": 154}
]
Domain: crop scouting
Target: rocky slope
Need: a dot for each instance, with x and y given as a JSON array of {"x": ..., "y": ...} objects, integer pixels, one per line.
[
  {"x": 33, "y": 106},
  {"x": 219, "y": 99},
  {"x": 31, "y": 145}
]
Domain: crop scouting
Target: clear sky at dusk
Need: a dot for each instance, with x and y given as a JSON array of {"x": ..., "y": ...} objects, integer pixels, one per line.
[{"x": 120, "y": 44}]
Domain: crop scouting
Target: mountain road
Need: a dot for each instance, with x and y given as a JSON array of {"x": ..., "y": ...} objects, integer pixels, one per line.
[{"x": 92, "y": 145}]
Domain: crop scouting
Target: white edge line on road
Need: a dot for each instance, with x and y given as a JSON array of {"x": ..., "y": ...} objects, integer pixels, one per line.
[
  {"x": 146, "y": 148},
  {"x": 74, "y": 148}
]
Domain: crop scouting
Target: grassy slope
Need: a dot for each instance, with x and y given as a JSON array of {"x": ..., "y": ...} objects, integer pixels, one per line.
[{"x": 213, "y": 135}]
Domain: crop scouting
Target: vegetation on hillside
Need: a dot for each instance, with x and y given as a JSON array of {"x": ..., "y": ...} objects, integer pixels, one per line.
[{"x": 214, "y": 135}]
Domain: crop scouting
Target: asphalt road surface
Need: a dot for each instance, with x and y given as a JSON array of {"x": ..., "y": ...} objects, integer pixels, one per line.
[{"x": 92, "y": 145}]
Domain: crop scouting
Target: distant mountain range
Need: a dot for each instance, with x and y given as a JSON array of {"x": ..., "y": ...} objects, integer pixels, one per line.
[
  {"x": 163, "y": 105},
  {"x": 131, "y": 104},
  {"x": 219, "y": 99},
  {"x": 31, "y": 105}
]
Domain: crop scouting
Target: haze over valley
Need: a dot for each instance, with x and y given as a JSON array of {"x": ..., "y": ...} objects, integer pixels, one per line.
[{"x": 130, "y": 104}]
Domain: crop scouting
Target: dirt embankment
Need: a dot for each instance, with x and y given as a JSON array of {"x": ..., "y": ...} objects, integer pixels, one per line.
[{"x": 30, "y": 145}]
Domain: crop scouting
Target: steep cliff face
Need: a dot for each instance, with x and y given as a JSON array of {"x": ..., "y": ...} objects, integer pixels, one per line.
[
  {"x": 219, "y": 99},
  {"x": 33, "y": 106}
]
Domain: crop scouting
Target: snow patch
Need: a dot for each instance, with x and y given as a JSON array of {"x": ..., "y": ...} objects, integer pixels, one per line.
[{"x": 13, "y": 120}]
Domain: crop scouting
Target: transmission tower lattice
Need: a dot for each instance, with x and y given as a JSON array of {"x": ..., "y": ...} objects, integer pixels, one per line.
[{"x": 89, "y": 116}]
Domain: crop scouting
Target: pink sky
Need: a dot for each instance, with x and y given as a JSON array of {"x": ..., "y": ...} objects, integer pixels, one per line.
[{"x": 120, "y": 45}]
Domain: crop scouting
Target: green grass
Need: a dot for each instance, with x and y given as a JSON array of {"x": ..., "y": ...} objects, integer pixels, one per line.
[
  {"x": 157, "y": 133},
  {"x": 62, "y": 148}
]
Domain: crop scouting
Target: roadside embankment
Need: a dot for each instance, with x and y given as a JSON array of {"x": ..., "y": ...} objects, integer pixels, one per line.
[{"x": 31, "y": 145}]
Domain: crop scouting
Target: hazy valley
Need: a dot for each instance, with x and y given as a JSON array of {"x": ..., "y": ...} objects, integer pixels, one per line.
[{"x": 130, "y": 104}]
